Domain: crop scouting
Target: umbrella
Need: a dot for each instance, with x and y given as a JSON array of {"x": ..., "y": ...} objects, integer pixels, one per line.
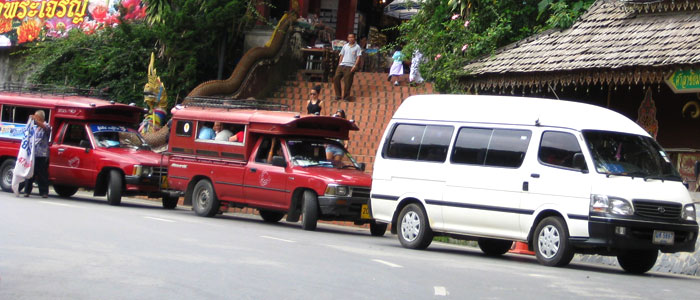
[{"x": 403, "y": 9}]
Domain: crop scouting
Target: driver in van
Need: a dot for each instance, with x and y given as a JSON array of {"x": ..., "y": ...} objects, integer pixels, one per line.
[{"x": 275, "y": 150}]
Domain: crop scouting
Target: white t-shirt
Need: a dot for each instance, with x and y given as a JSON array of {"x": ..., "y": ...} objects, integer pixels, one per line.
[
  {"x": 223, "y": 135},
  {"x": 350, "y": 54}
]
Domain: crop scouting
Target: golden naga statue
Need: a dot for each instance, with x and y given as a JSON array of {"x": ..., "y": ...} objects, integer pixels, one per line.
[{"x": 153, "y": 93}]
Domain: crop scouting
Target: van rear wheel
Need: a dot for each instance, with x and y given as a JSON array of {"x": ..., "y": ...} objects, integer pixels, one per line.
[
  {"x": 414, "y": 230},
  {"x": 65, "y": 191},
  {"x": 114, "y": 188},
  {"x": 309, "y": 211},
  {"x": 551, "y": 245},
  {"x": 6, "y": 170},
  {"x": 494, "y": 247},
  {"x": 271, "y": 216},
  {"x": 204, "y": 200},
  {"x": 637, "y": 261}
]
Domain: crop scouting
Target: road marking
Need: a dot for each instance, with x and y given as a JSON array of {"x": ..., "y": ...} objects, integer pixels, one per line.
[
  {"x": 56, "y": 203},
  {"x": 276, "y": 239},
  {"x": 393, "y": 265},
  {"x": 441, "y": 291},
  {"x": 159, "y": 219}
]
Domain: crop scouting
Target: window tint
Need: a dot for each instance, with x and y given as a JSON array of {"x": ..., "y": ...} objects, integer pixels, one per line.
[
  {"x": 74, "y": 134},
  {"x": 420, "y": 142},
  {"x": 471, "y": 145},
  {"x": 184, "y": 128},
  {"x": 507, "y": 148},
  {"x": 559, "y": 149}
]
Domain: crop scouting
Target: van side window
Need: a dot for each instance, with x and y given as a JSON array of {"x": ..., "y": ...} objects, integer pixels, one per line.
[
  {"x": 491, "y": 147},
  {"x": 184, "y": 128},
  {"x": 419, "y": 142},
  {"x": 74, "y": 134},
  {"x": 20, "y": 114},
  {"x": 560, "y": 149},
  {"x": 266, "y": 152}
]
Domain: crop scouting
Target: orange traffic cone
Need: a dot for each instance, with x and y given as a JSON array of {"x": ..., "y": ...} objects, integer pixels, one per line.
[{"x": 521, "y": 248}]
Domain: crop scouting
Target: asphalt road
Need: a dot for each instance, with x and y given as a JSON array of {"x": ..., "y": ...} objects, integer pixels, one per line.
[{"x": 82, "y": 248}]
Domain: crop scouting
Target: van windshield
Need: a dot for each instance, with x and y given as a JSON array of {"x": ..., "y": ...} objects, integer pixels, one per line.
[
  {"x": 114, "y": 136},
  {"x": 624, "y": 154},
  {"x": 320, "y": 153}
]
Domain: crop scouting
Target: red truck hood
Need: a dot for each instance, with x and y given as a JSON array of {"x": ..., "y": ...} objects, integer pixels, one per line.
[
  {"x": 349, "y": 177},
  {"x": 133, "y": 156}
]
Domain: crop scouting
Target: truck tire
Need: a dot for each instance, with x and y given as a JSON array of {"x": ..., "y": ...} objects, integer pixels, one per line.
[
  {"x": 414, "y": 231},
  {"x": 271, "y": 216},
  {"x": 170, "y": 202},
  {"x": 204, "y": 200},
  {"x": 637, "y": 261},
  {"x": 65, "y": 191},
  {"x": 494, "y": 247},
  {"x": 114, "y": 188},
  {"x": 377, "y": 229},
  {"x": 551, "y": 243},
  {"x": 6, "y": 170},
  {"x": 309, "y": 211}
]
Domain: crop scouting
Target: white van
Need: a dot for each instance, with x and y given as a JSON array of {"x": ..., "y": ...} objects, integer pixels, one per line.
[{"x": 563, "y": 177}]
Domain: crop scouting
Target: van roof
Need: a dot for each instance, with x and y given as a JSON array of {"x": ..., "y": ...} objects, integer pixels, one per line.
[
  {"x": 44, "y": 100},
  {"x": 516, "y": 111}
]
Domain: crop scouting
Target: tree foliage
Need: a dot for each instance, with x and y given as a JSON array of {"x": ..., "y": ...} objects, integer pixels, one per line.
[{"x": 450, "y": 33}]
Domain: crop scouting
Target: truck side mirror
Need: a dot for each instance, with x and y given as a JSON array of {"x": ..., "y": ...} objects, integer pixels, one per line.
[
  {"x": 580, "y": 162},
  {"x": 697, "y": 168},
  {"x": 278, "y": 161},
  {"x": 362, "y": 166},
  {"x": 85, "y": 144}
]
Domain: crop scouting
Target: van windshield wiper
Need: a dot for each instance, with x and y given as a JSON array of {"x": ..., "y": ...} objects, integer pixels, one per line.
[{"x": 662, "y": 177}]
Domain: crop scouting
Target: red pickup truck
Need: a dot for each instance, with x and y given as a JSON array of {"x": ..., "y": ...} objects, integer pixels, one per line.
[
  {"x": 94, "y": 145},
  {"x": 225, "y": 155}
]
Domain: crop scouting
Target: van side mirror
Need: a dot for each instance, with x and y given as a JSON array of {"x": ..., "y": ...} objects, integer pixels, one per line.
[
  {"x": 278, "y": 161},
  {"x": 697, "y": 168},
  {"x": 362, "y": 166},
  {"x": 85, "y": 144},
  {"x": 580, "y": 162}
]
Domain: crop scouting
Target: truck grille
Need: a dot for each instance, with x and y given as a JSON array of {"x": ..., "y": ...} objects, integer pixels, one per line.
[
  {"x": 657, "y": 209},
  {"x": 160, "y": 171},
  {"x": 360, "y": 192}
]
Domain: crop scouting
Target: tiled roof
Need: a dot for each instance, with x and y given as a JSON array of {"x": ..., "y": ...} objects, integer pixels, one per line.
[{"x": 612, "y": 35}]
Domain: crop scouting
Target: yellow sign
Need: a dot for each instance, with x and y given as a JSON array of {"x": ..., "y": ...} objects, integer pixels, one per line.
[{"x": 75, "y": 9}]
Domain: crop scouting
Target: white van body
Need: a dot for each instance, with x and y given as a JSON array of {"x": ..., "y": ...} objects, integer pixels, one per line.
[{"x": 519, "y": 161}]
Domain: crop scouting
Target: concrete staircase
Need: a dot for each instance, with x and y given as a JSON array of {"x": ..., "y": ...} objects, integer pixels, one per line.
[{"x": 372, "y": 103}]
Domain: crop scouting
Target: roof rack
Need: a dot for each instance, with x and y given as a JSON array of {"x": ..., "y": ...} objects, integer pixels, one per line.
[
  {"x": 53, "y": 90},
  {"x": 228, "y": 103}
]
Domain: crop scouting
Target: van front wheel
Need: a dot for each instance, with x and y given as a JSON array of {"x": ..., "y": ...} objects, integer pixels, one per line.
[
  {"x": 637, "y": 261},
  {"x": 377, "y": 229},
  {"x": 309, "y": 211},
  {"x": 552, "y": 246},
  {"x": 414, "y": 230},
  {"x": 114, "y": 188},
  {"x": 6, "y": 171}
]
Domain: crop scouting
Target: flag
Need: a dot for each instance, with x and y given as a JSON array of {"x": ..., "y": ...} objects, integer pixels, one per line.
[{"x": 24, "y": 167}]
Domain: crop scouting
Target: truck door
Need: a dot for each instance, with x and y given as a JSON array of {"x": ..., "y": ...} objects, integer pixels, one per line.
[
  {"x": 70, "y": 163},
  {"x": 265, "y": 185}
]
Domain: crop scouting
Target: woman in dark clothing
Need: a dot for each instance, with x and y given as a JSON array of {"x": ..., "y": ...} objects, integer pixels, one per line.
[{"x": 315, "y": 105}]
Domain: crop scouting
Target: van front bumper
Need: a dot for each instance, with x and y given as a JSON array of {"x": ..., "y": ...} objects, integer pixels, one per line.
[
  {"x": 638, "y": 235},
  {"x": 342, "y": 208}
]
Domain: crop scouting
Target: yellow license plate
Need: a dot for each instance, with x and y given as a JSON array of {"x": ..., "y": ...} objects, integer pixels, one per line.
[
  {"x": 365, "y": 212},
  {"x": 164, "y": 182}
]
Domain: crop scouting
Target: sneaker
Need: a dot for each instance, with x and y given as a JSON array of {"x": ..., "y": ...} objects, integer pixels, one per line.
[
  {"x": 388, "y": 78},
  {"x": 26, "y": 195},
  {"x": 396, "y": 83},
  {"x": 44, "y": 196}
]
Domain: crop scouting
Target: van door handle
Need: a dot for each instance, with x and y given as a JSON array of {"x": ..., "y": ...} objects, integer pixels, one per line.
[
  {"x": 526, "y": 186},
  {"x": 253, "y": 170},
  {"x": 60, "y": 150},
  {"x": 535, "y": 175}
]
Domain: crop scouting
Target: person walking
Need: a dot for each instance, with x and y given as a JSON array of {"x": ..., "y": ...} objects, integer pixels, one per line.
[
  {"x": 350, "y": 57},
  {"x": 42, "y": 131},
  {"x": 315, "y": 105},
  {"x": 396, "y": 69}
]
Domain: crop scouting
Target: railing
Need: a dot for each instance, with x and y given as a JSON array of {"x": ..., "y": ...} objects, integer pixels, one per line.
[
  {"x": 52, "y": 90},
  {"x": 227, "y": 103}
]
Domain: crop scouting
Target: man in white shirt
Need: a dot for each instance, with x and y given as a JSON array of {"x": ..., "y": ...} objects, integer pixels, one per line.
[
  {"x": 222, "y": 134},
  {"x": 350, "y": 56}
]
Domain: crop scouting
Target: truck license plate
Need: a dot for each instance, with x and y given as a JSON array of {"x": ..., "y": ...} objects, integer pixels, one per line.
[
  {"x": 365, "y": 212},
  {"x": 663, "y": 237}
]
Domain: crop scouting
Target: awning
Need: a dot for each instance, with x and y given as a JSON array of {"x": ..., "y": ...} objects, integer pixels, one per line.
[{"x": 403, "y": 9}]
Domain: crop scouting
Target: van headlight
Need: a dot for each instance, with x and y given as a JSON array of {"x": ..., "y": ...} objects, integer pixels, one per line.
[
  {"x": 611, "y": 205},
  {"x": 688, "y": 213},
  {"x": 140, "y": 170},
  {"x": 337, "y": 190}
]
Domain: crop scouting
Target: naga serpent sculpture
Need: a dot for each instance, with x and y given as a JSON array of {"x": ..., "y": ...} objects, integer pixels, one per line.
[{"x": 233, "y": 83}]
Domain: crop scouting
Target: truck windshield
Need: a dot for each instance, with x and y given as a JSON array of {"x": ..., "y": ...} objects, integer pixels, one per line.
[
  {"x": 320, "y": 153},
  {"x": 111, "y": 136},
  {"x": 624, "y": 154}
]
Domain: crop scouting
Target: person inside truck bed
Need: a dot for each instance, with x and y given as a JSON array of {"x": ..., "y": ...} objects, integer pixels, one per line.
[
  {"x": 206, "y": 132},
  {"x": 222, "y": 133}
]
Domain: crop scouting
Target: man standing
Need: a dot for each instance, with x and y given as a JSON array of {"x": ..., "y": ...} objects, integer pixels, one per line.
[
  {"x": 350, "y": 56},
  {"x": 41, "y": 159}
]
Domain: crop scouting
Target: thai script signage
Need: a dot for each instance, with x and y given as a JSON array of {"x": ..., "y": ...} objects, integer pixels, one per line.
[
  {"x": 23, "y": 21},
  {"x": 684, "y": 81}
]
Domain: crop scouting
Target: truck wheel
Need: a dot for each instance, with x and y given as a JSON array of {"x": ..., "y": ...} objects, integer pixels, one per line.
[
  {"x": 271, "y": 216},
  {"x": 6, "y": 170},
  {"x": 637, "y": 261},
  {"x": 414, "y": 230},
  {"x": 309, "y": 211},
  {"x": 494, "y": 247},
  {"x": 377, "y": 229},
  {"x": 65, "y": 191},
  {"x": 551, "y": 245},
  {"x": 170, "y": 202},
  {"x": 204, "y": 199},
  {"x": 114, "y": 188}
]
